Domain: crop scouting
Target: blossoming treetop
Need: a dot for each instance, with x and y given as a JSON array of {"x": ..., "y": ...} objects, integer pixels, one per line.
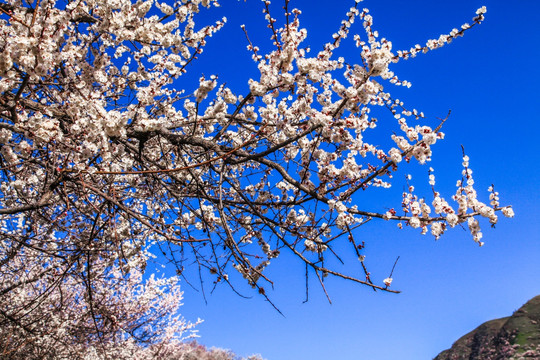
[{"x": 106, "y": 159}]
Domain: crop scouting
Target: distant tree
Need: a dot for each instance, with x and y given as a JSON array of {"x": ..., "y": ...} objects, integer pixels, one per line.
[
  {"x": 107, "y": 159},
  {"x": 194, "y": 351}
]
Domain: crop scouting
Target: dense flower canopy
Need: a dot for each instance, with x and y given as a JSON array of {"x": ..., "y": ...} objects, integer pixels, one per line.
[{"x": 109, "y": 154}]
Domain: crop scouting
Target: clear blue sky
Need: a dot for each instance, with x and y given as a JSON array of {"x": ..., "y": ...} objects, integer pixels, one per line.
[{"x": 490, "y": 80}]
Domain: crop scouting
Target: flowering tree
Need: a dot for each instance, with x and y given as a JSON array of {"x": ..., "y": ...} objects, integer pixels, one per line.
[{"x": 107, "y": 159}]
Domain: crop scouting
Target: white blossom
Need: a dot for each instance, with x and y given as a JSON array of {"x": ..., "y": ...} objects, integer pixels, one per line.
[{"x": 508, "y": 212}]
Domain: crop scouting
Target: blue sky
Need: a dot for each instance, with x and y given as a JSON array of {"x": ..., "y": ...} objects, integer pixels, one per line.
[{"x": 489, "y": 79}]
